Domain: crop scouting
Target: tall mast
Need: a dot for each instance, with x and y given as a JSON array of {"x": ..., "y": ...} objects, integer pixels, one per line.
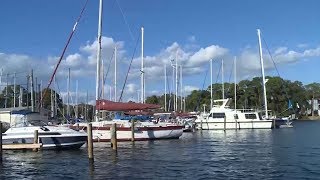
[
  {"x": 55, "y": 98},
  {"x": 174, "y": 99},
  {"x": 77, "y": 110},
  {"x": 20, "y": 96},
  {"x": 165, "y": 87},
  {"x": 235, "y": 82},
  {"x": 52, "y": 102},
  {"x": 68, "y": 94},
  {"x": 32, "y": 91},
  {"x": 222, "y": 76},
  {"x": 211, "y": 100},
  {"x": 263, "y": 78},
  {"x": 14, "y": 90},
  {"x": 102, "y": 78},
  {"x": 181, "y": 100},
  {"x": 142, "y": 68},
  {"x": 177, "y": 80},
  {"x": 115, "y": 73},
  {"x": 98, "y": 58},
  {"x": 6, "y": 100}
]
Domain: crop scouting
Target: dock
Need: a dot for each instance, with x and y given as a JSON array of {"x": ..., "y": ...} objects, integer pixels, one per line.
[{"x": 21, "y": 146}]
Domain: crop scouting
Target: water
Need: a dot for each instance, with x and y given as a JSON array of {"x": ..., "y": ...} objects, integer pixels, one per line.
[{"x": 292, "y": 153}]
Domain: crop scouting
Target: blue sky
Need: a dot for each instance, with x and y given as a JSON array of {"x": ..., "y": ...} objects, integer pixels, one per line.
[{"x": 33, "y": 34}]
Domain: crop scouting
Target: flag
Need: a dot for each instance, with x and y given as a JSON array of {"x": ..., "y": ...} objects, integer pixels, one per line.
[{"x": 289, "y": 105}]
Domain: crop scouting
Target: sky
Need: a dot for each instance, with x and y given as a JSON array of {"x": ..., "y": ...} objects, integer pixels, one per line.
[{"x": 34, "y": 33}]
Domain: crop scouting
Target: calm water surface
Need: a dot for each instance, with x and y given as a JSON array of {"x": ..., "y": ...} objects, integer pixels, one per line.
[{"x": 292, "y": 153}]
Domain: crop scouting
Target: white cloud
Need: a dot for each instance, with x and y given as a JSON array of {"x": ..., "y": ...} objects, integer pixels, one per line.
[
  {"x": 194, "y": 61},
  {"x": 188, "y": 89},
  {"x": 205, "y": 54}
]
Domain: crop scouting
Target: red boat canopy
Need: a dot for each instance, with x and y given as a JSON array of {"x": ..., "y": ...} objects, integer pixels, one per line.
[{"x": 120, "y": 106}]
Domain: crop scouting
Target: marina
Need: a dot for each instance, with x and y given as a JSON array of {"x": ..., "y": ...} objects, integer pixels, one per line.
[
  {"x": 118, "y": 90},
  {"x": 247, "y": 153}
]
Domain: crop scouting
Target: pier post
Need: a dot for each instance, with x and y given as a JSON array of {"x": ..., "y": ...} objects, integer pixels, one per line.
[
  {"x": 201, "y": 124},
  {"x": 0, "y": 141},
  {"x": 132, "y": 130},
  {"x": 36, "y": 139},
  {"x": 274, "y": 123},
  {"x": 90, "y": 142},
  {"x": 224, "y": 123},
  {"x": 113, "y": 131}
]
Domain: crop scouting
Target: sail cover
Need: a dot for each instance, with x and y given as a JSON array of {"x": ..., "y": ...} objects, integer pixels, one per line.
[{"x": 121, "y": 106}]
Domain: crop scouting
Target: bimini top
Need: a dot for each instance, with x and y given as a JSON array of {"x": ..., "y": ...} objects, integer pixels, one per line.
[{"x": 121, "y": 106}]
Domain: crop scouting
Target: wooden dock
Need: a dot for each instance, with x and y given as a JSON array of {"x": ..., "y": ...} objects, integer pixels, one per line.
[{"x": 21, "y": 146}]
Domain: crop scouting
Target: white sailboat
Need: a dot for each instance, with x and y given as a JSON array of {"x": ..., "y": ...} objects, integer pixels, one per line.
[{"x": 143, "y": 130}]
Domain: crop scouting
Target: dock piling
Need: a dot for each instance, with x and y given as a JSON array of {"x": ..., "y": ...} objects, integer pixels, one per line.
[
  {"x": 90, "y": 142},
  {"x": 132, "y": 130},
  {"x": 36, "y": 139},
  {"x": 113, "y": 132},
  {"x": 224, "y": 124},
  {"x": 0, "y": 141}
]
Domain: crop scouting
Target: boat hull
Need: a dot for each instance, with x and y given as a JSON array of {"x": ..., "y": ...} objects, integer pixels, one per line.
[
  {"x": 218, "y": 125},
  {"x": 102, "y": 134},
  {"x": 51, "y": 137}
]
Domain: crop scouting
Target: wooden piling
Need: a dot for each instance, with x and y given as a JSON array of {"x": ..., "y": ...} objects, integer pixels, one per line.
[
  {"x": 113, "y": 132},
  {"x": 224, "y": 124},
  {"x": 36, "y": 139},
  {"x": 90, "y": 142},
  {"x": 0, "y": 141},
  {"x": 132, "y": 130}
]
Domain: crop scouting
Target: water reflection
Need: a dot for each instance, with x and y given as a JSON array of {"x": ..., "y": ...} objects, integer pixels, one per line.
[{"x": 243, "y": 154}]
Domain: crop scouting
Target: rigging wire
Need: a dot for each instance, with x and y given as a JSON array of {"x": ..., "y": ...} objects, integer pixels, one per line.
[
  {"x": 125, "y": 20},
  {"x": 106, "y": 75},
  {"x": 125, "y": 81},
  {"x": 201, "y": 92},
  {"x": 287, "y": 96},
  {"x": 64, "y": 49}
]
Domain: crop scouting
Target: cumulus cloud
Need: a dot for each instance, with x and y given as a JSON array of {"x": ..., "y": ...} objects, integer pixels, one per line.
[{"x": 194, "y": 61}]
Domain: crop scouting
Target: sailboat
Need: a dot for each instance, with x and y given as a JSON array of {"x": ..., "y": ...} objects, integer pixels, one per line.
[{"x": 143, "y": 130}]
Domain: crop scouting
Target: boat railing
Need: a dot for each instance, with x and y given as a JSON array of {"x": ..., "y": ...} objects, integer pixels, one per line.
[{"x": 246, "y": 110}]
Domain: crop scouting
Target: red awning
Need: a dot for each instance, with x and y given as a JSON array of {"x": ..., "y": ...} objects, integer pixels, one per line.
[{"x": 120, "y": 106}]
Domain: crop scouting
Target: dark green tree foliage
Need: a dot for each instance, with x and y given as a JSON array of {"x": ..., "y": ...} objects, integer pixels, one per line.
[{"x": 249, "y": 95}]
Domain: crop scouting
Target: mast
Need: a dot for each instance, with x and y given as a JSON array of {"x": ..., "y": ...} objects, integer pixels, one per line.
[
  {"x": 20, "y": 96},
  {"x": 177, "y": 81},
  {"x": 222, "y": 77},
  {"x": 52, "y": 106},
  {"x": 181, "y": 101},
  {"x": 55, "y": 98},
  {"x": 142, "y": 68},
  {"x": 77, "y": 110},
  {"x": 165, "y": 87},
  {"x": 102, "y": 79},
  {"x": 263, "y": 78},
  {"x": 6, "y": 100},
  {"x": 32, "y": 91},
  {"x": 174, "y": 99},
  {"x": 211, "y": 100},
  {"x": 14, "y": 90},
  {"x": 35, "y": 94},
  {"x": 68, "y": 94},
  {"x": 115, "y": 73},
  {"x": 235, "y": 82},
  {"x": 98, "y": 58}
]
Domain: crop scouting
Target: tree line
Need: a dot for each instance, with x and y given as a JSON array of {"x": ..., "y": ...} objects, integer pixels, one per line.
[{"x": 249, "y": 95}]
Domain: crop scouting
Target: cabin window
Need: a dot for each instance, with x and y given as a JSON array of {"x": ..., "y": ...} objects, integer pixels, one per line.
[
  {"x": 250, "y": 116},
  {"x": 236, "y": 116},
  {"x": 217, "y": 115}
]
